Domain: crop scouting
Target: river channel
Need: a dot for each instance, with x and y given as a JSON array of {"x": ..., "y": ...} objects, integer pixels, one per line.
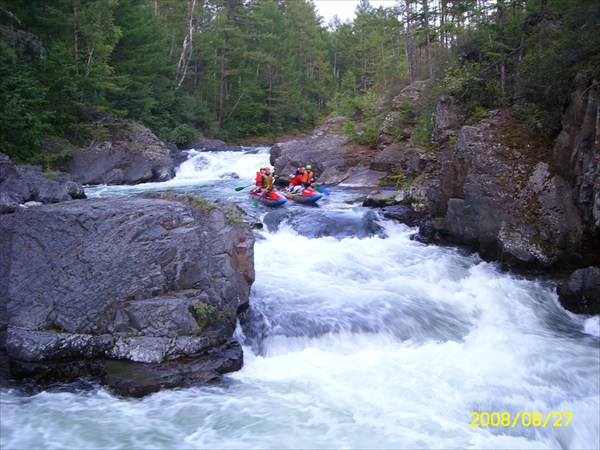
[{"x": 357, "y": 337}]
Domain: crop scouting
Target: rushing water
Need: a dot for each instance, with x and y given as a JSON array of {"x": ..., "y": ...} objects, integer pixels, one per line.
[{"x": 373, "y": 342}]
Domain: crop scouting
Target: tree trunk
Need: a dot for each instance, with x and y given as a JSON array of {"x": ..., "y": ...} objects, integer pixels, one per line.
[
  {"x": 427, "y": 39},
  {"x": 408, "y": 42},
  {"x": 500, "y": 8},
  {"x": 187, "y": 46},
  {"x": 221, "y": 94},
  {"x": 75, "y": 39}
]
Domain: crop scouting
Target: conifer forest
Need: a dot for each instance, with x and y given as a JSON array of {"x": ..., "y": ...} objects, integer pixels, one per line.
[{"x": 244, "y": 69}]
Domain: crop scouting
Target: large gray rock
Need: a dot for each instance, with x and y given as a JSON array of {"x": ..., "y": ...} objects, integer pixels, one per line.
[
  {"x": 202, "y": 143},
  {"x": 507, "y": 202},
  {"x": 20, "y": 184},
  {"x": 207, "y": 144},
  {"x": 447, "y": 119},
  {"x": 135, "y": 155},
  {"x": 334, "y": 158},
  {"x": 154, "y": 284},
  {"x": 527, "y": 206},
  {"x": 581, "y": 292}
]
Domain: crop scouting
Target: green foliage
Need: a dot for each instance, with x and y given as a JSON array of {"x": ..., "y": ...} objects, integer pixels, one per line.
[
  {"x": 368, "y": 133},
  {"x": 350, "y": 129},
  {"x": 49, "y": 160},
  {"x": 366, "y": 109},
  {"x": 265, "y": 67},
  {"x": 423, "y": 129},
  {"x": 234, "y": 215},
  {"x": 203, "y": 313},
  {"x": 182, "y": 134},
  {"x": 529, "y": 116},
  {"x": 542, "y": 46},
  {"x": 406, "y": 111},
  {"x": 368, "y": 105},
  {"x": 403, "y": 118},
  {"x": 476, "y": 114},
  {"x": 204, "y": 310},
  {"x": 24, "y": 119}
]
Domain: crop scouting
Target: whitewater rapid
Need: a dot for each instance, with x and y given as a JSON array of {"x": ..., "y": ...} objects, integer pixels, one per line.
[{"x": 379, "y": 342}]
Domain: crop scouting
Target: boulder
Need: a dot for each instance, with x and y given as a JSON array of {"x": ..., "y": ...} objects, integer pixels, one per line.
[
  {"x": 133, "y": 155},
  {"x": 212, "y": 145},
  {"x": 400, "y": 158},
  {"x": 403, "y": 214},
  {"x": 581, "y": 292},
  {"x": 334, "y": 158},
  {"x": 137, "y": 293},
  {"x": 20, "y": 185},
  {"x": 315, "y": 223}
]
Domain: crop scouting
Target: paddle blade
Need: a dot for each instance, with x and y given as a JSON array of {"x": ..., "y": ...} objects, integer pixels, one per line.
[
  {"x": 322, "y": 190},
  {"x": 241, "y": 188}
]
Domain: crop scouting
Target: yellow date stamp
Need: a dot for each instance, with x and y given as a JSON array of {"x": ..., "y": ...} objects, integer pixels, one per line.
[{"x": 524, "y": 419}]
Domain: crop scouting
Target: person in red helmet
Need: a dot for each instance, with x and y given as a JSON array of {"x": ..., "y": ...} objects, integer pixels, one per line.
[
  {"x": 264, "y": 180},
  {"x": 295, "y": 185}
]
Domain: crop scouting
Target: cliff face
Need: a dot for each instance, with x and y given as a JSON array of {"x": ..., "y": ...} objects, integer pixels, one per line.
[
  {"x": 508, "y": 202},
  {"x": 576, "y": 154},
  {"x": 137, "y": 293},
  {"x": 529, "y": 206},
  {"x": 526, "y": 205}
]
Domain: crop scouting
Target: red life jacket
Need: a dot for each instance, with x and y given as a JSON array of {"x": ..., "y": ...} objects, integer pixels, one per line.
[{"x": 296, "y": 180}]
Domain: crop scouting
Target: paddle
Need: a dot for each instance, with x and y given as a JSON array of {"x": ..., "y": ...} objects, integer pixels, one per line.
[
  {"x": 321, "y": 189},
  {"x": 241, "y": 188}
]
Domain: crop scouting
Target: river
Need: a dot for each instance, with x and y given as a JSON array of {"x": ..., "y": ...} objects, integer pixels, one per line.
[{"x": 357, "y": 337}]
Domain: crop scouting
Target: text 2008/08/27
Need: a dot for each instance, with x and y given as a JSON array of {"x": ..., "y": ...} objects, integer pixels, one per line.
[{"x": 525, "y": 419}]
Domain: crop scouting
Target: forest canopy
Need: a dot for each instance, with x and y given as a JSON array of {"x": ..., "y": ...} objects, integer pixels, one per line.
[{"x": 237, "y": 68}]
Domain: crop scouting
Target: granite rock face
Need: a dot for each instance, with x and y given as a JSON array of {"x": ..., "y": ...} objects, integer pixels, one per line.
[
  {"x": 132, "y": 155},
  {"x": 22, "y": 184},
  {"x": 581, "y": 292},
  {"x": 334, "y": 158},
  {"x": 137, "y": 293},
  {"x": 506, "y": 204}
]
